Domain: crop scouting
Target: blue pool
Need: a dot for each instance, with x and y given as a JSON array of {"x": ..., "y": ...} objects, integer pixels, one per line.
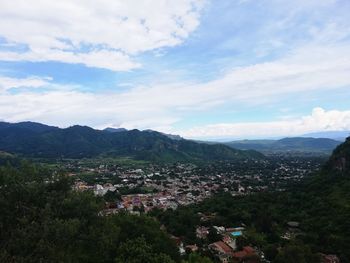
[{"x": 236, "y": 233}]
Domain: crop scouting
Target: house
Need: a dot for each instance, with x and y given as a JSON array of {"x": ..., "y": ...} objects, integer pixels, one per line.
[
  {"x": 99, "y": 190},
  {"x": 202, "y": 232},
  {"x": 293, "y": 224},
  {"x": 81, "y": 186},
  {"x": 235, "y": 229},
  {"x": 221, "y": 250},
  {"x": 231, "y": 242},
  {"x": 219, "y": 229},
  {"x": 247, "y": 254}
]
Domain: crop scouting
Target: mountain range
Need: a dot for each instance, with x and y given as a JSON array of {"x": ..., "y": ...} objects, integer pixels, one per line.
[
  {"x": 335, "y": 135},
  {"x": 32, "y": 139},
  {"x": 294, "y": 144}
]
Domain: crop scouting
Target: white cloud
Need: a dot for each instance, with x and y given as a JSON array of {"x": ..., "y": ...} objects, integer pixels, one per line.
[
  {"x": 319, "y": 120},
  {"x": 65, "y": 108},
  {"x": 7, "y": 83},
  {"x": 309, "y": 69},
  {"x": 116, "y": 61},
  {"x": 103, "y": 33}
]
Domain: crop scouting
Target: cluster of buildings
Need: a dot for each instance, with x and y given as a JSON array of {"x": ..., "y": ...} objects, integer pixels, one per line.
[
  {"x": 164, "y": 188},
  {"x": 148, "y": 186},
  {"x": 228, "y": 250}
]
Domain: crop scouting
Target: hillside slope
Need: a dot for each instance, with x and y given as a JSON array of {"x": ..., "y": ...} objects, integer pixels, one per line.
[{"x": 85, "y": 142}]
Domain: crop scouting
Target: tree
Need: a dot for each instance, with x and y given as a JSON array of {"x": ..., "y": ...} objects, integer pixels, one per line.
[
  {"x": 241, "y": 242},
  {"x": 270, "y": 252},
  {"x": 296, "y": 253},
  {"x": 43, "y": 220},
  {"x": 196, "y": 258},
  {"x": 139, "y": 251},
  {"x": 213, "y": 236}
]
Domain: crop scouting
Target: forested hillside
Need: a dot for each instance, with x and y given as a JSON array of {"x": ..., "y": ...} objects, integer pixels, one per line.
[
  {"x": 38, "y": 140},
  {"x": 43, "y": 220}
]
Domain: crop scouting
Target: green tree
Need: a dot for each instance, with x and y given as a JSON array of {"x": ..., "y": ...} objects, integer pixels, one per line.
[
  {"x": 139, "y": 251},
  {"x": 213, "y": 236},
  {"x": 196, "y": 258},
  {"x": 296, "y": 253}
]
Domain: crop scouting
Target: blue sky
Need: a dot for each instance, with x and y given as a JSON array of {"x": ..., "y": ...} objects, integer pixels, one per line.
[{"x": 202, "y": 69}]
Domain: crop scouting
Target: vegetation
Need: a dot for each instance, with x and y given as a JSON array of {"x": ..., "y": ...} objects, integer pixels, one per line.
[
  {"x": 41, "y": 141},
  {"x": 321, "y": 205},
  {"x": 43, "y": 220}
]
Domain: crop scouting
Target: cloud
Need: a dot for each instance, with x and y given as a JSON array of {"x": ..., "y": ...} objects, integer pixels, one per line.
[
  {"x": 310, "y": 69},
  {"x": 7, "y": 83},
  {"x": 110, "y": 34},
  {"x": 115, "y": 61},
  {"x": 319, "y": 120},
  {"x": 104, "y": 34},
  {"x": 65, "y": 108}
]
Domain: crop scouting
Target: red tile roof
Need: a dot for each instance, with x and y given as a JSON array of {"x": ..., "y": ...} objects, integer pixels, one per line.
[
  {"x": 223, "y": 247},
  {"x": 247, "y": 251},
  {"x": 240, "y": 254}
]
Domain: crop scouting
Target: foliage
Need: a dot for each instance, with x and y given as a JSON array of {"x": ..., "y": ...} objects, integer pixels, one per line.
[
  {"x": 139, "y": 251},
  {"x": 213, "y": 236},
  {"x": 43, "y": 220},
  {"x": 196, "y": 258},
  {"x": 42, "y": 141},
  {"x": 296, "y": 253},
  {"x": 181, "y": 222}
]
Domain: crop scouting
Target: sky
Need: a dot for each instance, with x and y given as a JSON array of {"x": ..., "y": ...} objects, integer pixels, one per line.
[{"x": 203, "y": 69}]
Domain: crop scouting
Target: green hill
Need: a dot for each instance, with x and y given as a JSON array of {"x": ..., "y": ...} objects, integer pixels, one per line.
[{"x": 38, "y": 140}]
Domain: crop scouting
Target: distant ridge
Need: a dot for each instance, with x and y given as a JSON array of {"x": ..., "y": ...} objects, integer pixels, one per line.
[
  {"x": 39, "y": 140},
  {"x": 171, "y": 136},
  {"x": 115, "y": 129},
  {"x": 335, "y": 135},
  {"x": 28, "y": 125},
  {"x": 293, "y": 144}
]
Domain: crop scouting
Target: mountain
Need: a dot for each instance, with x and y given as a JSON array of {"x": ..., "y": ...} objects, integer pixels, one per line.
[
  {"x": 326, "y": 200},
  {"x": 85, "y": 142},
  {"x": 339, "y": 162},
  {"x": 295, "y": 144},
  {"x": 171, "y": 136},
  {"x": 28, "y": 126},
  {"x": 335, "y": 135},
  {"x": 115, "y": 129}
]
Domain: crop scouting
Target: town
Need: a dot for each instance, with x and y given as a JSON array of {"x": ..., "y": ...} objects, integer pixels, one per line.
[
  {"x": 141, "y": 187},
  {"x": 134, "y": 187}
]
